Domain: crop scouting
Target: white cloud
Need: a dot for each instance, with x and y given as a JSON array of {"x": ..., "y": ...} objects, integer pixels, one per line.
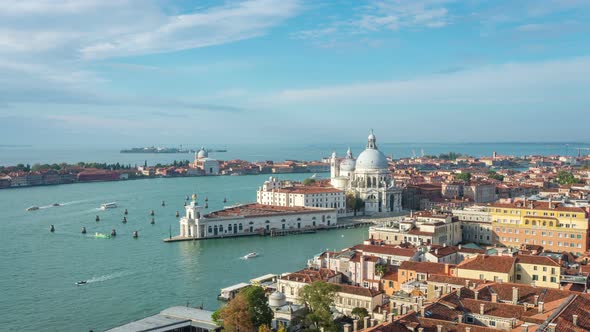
[
  {"x": 48, "y": 47},
  {"x": 506, "y": 84},
  {"x": 112, "y": 28}
]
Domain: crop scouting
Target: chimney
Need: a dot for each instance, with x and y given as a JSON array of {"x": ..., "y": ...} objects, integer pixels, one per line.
[
  {"x": 476, "y": 295},
  {"x": 390, "y": 317},
  {"x": 575, "y": 320},
  {"x": 420, "y": 329},
  {"x": 423, "y": 312},
  {"x": 439, "y": 328},
  {"x": 436, "y": 251},
  {"x": 355, "y": 325},
  {"x": 551, "y": 327},
  {"x": 459, "y": 292},
  {"x": 347, "y": 327},
  {"x": 460, "y": 318},
  {"x": 525, "y": 327},
  {"x": 467, "y": 283},
  {"x": 467, "y": 329},
  {"x": 482, "y": 309},
  {"x": 536, "y": 299},
  {"x": 495, "y": 297},
  {"x": 459, "y": 247},
  {"x": 515, "y": 295},
  {"x": 541, "y": 306},
  {"x": 366, "y": 322}
]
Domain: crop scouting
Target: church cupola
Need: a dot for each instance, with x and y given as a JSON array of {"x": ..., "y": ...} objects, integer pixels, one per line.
[{"x": 372, "y": 141}]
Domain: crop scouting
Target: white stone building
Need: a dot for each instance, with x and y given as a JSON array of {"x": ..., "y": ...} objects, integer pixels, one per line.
[
  {"x": 367, "y": 177},
  {"x": 252, "y": 219},
  {"x": 476, "y": 224},
  {"x": 286, "y": 193},
  {"x": 207, "y": 165}
]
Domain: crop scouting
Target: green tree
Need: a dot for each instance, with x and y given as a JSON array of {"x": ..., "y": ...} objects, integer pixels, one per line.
[
  {"x": 318, "y": 297},
  {"x": 236, "y": 315},
  {"x": 282, "y": 328},
  {"x": 565, "y": 178},
  {"x": 260, "y": 312},
  {"x": 354, "y": 203},
  {"x": 464, "y": 176},
  {"x": 359, "y": 313},
  {"x": 380, "y": 269},
  {"x": 216, "y": 317},
  {"x": 494, "y": 175},
  {"x": 308, "y": 182}
]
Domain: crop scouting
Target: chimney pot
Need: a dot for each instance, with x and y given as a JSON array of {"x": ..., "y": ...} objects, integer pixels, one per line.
[
  {"x": 515, "y": 295},
  {"x": 551, "y": 327},
  {"x": 476, "y": 295},
  {"x": 482, "y": 309},
  {"x": 439, "y": 328},
  {"x": 495, "y": 297},
  {"x": 541, "y": 306},
  {"x": 525, "y": 327},
  {"x": 347, "y": 327},
  {"x": 366, "y": 322},
  {"x": 575, "y": 320},
  {"x": 355, "y": 325},
  {"x": 467, "y": 329},
  {"x": 420, "y": 329},
  {"x": 536, "y": 299},
  {"x": 459, "y": 318}
]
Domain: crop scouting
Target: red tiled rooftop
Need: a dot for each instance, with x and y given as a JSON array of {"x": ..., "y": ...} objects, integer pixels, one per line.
[{"x": 259, "y": 210}]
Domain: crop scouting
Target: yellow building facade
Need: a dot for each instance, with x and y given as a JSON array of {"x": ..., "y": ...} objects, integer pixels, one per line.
[{"x": 550, "y": 225}]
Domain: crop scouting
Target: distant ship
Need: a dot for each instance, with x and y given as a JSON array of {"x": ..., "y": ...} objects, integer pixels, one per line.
[{"x": 154, "y": 149}]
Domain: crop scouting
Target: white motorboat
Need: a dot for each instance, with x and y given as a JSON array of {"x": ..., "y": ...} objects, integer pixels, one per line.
[
  {"x": 32, "y": 208},
  {"x": 251, "y": 255},
  {"x": 111, "y": 205}
]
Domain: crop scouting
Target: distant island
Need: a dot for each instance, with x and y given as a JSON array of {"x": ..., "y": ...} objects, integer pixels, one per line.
[{"x": 153, "y": 149}]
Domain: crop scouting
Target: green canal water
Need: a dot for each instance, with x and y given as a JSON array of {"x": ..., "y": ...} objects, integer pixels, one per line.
[{"x": 129, "y": 278}]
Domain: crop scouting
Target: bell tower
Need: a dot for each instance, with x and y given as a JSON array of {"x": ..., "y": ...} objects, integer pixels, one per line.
[{"x": 372, "y": 141}]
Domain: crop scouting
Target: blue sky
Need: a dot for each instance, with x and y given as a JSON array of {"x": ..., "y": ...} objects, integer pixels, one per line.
[{"x": 127, "y": 72}]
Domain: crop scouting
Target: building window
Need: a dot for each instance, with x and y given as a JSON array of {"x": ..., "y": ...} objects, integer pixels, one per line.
[{"x": 535, "y": 277}]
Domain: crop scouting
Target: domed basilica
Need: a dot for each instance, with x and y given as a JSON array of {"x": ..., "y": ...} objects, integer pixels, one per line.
[{"x": 367, "y": 177}]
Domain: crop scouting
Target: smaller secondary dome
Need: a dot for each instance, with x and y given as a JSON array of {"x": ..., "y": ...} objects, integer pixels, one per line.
[
  {"x": 347, "y": 165},
  {"x": 277, "y": 299},
  {"x": 202, "y": 153}
]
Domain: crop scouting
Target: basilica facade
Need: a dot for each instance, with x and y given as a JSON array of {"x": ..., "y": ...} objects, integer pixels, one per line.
[{"x": 368, "y": 178}]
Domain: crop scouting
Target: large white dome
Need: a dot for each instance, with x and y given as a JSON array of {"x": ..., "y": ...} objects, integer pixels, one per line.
[
  {"x": 371, "y": 159},
  {"x": 202, "y": 153}
]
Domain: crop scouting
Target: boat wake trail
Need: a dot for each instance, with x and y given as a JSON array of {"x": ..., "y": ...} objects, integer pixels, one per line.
[{"x": 107, "y": 277}]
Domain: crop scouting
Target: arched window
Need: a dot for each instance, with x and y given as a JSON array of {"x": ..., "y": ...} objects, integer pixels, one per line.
[
  {"x": 298, "y": 219},
  {"x": 210, "y": 230},
  {"x": 240, "y": 227},
  {"x": 313, "y": 218},
  {"x": 267, "y": 222},
  {"x": 283, "y": 220}
]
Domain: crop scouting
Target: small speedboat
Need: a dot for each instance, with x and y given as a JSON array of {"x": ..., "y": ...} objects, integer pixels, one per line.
[
  {"x": 32, "y": 208},
  {"x": 251, "y": 255},
  {"x": 111, "y": 205},
  {"x": 81, "y": 282},
  {"x": 55, "y": 204}
]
